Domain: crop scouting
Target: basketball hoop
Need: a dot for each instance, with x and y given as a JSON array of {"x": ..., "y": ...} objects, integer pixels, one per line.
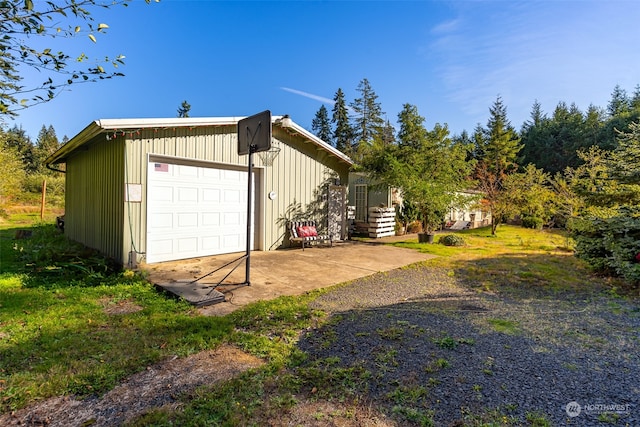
[{"x": 268, "y": 156}]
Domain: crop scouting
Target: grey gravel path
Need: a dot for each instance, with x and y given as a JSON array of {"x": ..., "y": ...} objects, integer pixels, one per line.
[{"x": 440, "y": 347}]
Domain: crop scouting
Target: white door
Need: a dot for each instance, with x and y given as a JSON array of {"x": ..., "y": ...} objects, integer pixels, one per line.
[{"x": 195, "y": 211}]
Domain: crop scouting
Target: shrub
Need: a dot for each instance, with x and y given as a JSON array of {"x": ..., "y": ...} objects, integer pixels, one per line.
[
  {"x": 610, "y": 245},
  {"x": 452, "y": 240},
  {"x": 532, "y": 222},
  {"x": 414, "y": 227}
]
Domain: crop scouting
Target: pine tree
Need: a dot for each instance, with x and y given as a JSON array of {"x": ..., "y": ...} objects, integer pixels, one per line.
[
  {"x": 46, "y": 144},
  {"x": 343, "y": 133},
  {"x": 17, "y": 138},
  {"x": 500, "y": 149},
  {"x": 502, "y": 143},
  {"x": 320, "y": 125},
  {"x": 412, "y": 134},
  {"x": 534, "y": 134},
  {"x": 367, "y": 115},
  {"x": 619, "y": 103},
  {"x": 184, "y": 109}
]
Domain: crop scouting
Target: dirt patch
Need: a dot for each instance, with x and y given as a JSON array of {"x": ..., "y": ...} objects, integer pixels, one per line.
[
  {"x": 158, "y": 386},
  {"x": 112, "y": 307},
  {"x": 322, "y": 414}
]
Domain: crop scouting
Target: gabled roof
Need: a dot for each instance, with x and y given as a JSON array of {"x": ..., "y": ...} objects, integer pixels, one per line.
[{"x": 105, "y": 126}]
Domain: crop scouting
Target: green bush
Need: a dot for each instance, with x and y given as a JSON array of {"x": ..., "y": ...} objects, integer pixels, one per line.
[
  {"x": 533, "y": 222},
  {"x": 610, "y": 245},
  {"x": 452, "y": 240}
]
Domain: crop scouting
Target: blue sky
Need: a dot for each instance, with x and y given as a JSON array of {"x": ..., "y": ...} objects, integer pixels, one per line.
[{"x": 449, "y": 58}]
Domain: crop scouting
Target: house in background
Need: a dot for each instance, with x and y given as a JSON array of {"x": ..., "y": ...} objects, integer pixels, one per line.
[
  {"x": 366, "y": 194},
  {"x": 156, "y": 190},
  {"x": 471, "y": 212}
]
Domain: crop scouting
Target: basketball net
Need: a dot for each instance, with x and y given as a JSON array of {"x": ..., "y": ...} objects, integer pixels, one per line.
[{"x": 267, "y": 157}]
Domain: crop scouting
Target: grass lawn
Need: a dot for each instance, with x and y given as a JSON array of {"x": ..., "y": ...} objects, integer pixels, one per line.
[{"x": 58, "y": 336}]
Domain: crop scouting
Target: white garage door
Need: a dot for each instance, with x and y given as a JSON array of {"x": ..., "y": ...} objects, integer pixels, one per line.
[{"x": 195, "y": 211}]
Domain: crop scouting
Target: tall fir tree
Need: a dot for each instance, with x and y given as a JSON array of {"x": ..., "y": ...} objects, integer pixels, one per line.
[
  {"x": 46, "y": 144},
  {"x": 619, "y": 102},
  {"x": 502, "y": 143},
  {"x": 343, "y": 132},
  {"x": 17, "y": 138},
  {"x": 321, "y": 126},
  {"x": 183, "y": 111},
  {"x": 500, "y": 148},
  {"x": 412, "y": 134},
  {"x": 534, "y": 133},
  {"x": 368, "y": 121}
]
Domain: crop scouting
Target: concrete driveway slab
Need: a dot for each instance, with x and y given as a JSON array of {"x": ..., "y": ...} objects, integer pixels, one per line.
[{"x": 282, "y": 272}]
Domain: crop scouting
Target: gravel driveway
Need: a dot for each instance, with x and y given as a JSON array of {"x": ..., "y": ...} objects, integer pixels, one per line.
[{"x": 437, "y": 348}]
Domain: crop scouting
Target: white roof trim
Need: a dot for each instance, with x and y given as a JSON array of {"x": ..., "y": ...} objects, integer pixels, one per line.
[{"x": 99, "y": 126}]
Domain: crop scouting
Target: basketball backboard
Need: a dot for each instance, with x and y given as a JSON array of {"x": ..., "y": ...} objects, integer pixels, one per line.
[{"x": 254, "y": 133}]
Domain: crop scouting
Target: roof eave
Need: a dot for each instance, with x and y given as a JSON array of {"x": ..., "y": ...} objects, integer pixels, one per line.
[{"x": 99, "y": 126}]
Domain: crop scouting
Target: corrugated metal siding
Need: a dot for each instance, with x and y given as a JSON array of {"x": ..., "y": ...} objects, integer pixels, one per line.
[
  {"x": 92, "y": 217},
  {"x": 299, "y": 175}
]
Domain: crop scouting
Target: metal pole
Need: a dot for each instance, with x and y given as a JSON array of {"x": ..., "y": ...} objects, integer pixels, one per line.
[{"x": 249, "y": 218}]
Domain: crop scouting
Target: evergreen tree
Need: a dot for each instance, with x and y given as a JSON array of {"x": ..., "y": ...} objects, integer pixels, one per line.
[
  {"x": 635, "y": 99},
  {"x": 343, "y": 133},
  {"x": 534, "y": 135},
  {"x": 17, "y": 138},
  {"x": 184, "y": 109},
  {"x": 388, "y": 134},
  {"x": 46, "y": 144},
  {"x": 368, "y": 121},
  {"x": 502, "y": 143},
  {"x": 608, "y": 230},
  {"x": 621, "y": 112},
  {"x": 320, "y": 125},
  {"x": 619, "y": 103},
  {"x": 412, "y": 134},
  {"x": 478, "y": 141},
  {"x": 593, "y": 121},
  {"x": 501, "y": 146}
]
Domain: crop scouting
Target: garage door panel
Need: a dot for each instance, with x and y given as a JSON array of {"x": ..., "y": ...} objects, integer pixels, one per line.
[
  {"x": 211, "y": 173},
  {"x": 187, "y": 220},
  {"x": 232, "y": 241},
  {"x": 211, "y": 195},
  {"x": 188, "y": 245},
  {"x": 188, "y": 171},
  {"x": 233, "y": 175},
  {"x": 162, "y": 221},
  {"x": 188, "y": 194},
  {"x": 211, "y": 243},
  {"x": 195, "y": 211},
  {"x": 210, "y": 219},
  {"x": 163, "y": 247},
  {"x": 161, "y": 193}
]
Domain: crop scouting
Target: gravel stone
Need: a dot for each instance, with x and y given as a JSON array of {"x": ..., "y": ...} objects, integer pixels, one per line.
[{"x": 520, "y": 354}]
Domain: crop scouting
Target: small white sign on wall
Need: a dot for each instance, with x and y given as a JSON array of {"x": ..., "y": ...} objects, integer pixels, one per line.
[{"x": 133, "y": 192}]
